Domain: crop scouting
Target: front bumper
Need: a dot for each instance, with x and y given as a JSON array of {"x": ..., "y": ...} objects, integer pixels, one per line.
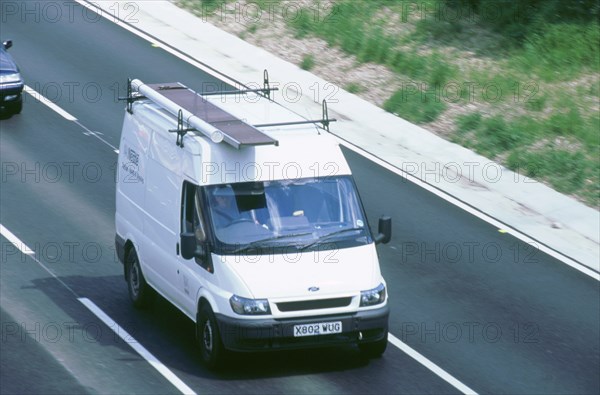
[
  {"x": 10, "y": 94},
  {"x": 278, "y": 334}
]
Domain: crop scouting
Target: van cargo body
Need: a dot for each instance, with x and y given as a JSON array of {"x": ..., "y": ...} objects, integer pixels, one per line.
[{"x": 246, "y": 217}]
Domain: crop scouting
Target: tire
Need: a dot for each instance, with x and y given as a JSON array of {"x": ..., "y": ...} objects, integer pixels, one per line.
[
  {"x": 17, "y": 108},
  {"x": 209, "y": 339},
  {"x": 374, "y": 349},
  {"x": 140, "y": 292}
]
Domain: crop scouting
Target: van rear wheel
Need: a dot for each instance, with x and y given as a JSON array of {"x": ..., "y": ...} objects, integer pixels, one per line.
[
  {"x": 209, "y": 338},
  {"x": 139, "y": 290}
]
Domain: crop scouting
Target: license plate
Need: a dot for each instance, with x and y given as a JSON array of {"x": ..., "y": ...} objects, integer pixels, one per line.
[{"x": 321, "y": 328}]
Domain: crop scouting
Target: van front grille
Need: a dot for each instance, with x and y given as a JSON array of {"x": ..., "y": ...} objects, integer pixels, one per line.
[{"x": 314, "y": 304}]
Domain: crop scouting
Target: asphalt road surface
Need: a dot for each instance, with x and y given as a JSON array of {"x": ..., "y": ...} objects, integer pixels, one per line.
[{"x": 495, "y": 313}]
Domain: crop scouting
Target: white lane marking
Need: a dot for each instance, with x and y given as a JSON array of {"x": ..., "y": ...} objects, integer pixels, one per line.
[
  {"x": 147, "y": 355},
  {"x": 41, "y": 98},
  {"x": 471, "y": 210},
  {"x": 89, "y": 132},
  {"x": 28, "y": 251},
  {"x": 127, "y": 338},
  {"x": 15, "y": 241},
  {"x": 430, "y": 365},
  {"x": 109, "y": 15}
]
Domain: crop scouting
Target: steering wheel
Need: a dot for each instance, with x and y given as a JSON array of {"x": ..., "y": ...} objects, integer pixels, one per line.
[{"x": 240, "y": 220}]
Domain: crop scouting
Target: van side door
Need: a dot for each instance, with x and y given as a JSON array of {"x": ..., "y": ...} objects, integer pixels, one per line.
[{"x": 194, "y": 272}]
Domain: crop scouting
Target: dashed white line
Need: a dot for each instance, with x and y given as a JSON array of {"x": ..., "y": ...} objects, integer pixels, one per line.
[
  {"x": 123, "y": 334},
  {"x": 39, "y": 97},
  {"x": 430, "y": 365},
  {"x": 144, "y": 353},
  {"x": 15, "y": 241},
  {"x": 28, "y": 251},
  {"x": 42, "y": 99}
]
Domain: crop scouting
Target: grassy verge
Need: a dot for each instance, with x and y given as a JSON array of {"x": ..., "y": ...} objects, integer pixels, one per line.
[
  {"x": 518, "y": 82},
  {"x": 532, "y": 113}
]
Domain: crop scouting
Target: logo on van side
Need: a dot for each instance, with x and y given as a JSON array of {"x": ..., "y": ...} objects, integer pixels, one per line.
[{"x": 133, "y": 156}]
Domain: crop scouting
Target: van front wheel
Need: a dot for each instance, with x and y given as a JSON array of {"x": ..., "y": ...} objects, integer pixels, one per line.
[
  {"x": 209, "y": 338},
  {"x": 139, "y": 290}
]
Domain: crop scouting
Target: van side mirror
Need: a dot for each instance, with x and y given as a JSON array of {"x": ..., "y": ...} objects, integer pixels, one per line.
[
  {"x": 188, "y": 245},
  {"x": 190, "y": 248},
  {"x": 385, "y": 230},
  {"x": 7, "y": 44}
]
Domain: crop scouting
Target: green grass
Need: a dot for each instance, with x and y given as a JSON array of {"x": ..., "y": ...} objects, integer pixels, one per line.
[
  {"x": 436, "y": 29},
  {"x": 573, "y": 170},
  {"x": 594, "y": 89},
  {"x": 560, "y": 52},
  {"x": 494, "y": 135},
  {"x": 540, "y": 117},
  {"x": 417, "y": 107},
  {"x": 308, "y": 62},
  {"x": 353, "y": 87},
  {"x": 536, "y": 103},
  {"x": 469, "y": 122},
  {"x": 356, "y": 30},
  {"x": 566, "y": 171}
]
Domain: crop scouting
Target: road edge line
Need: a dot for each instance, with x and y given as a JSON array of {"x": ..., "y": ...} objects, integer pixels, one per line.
[
  {"x": 471, "y": 209},
  {"x": 447, "y": 377},
  {"x": 137, "y": 346},
  {"x": 438, "y": 192}
]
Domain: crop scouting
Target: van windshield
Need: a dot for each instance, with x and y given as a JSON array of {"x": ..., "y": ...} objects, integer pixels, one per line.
[{"x": 304, "y": 214}]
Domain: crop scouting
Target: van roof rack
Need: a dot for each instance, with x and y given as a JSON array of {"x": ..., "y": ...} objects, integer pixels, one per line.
[{"x": 202, "y": 116}]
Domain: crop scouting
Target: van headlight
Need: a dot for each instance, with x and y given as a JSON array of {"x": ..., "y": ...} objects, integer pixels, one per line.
[
  {"x": 372, "y": 296},
  {"x": 9, "y": 78},
  {"x": 246, "y": 306}
]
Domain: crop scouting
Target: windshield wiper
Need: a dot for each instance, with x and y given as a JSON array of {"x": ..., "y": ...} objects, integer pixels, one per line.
[
  {"x": 329, "y": 235},
  {"x": 255, "y": 243}
]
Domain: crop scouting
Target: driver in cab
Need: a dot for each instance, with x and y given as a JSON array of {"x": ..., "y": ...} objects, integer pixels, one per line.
[{"x": 225, "y": 211}]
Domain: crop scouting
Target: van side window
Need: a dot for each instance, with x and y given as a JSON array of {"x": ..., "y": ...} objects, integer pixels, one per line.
[{"x": 192, "y": 220}]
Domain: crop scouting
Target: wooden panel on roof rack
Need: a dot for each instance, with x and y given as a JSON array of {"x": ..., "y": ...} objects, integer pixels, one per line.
[{"x": 237, "y": 132}]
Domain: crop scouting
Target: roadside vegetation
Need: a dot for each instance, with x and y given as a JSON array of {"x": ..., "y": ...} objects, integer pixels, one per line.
[{"x": 516, "y": 81}]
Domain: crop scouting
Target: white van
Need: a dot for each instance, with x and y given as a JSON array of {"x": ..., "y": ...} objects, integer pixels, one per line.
[{"x": 245, "y": 216}]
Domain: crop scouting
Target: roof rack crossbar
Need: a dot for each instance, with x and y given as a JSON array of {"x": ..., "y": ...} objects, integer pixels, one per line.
[
  {"x": 264, "y": 91},
  {"x": 325, "y": 121},
  {"x": 321, "y": 121}
]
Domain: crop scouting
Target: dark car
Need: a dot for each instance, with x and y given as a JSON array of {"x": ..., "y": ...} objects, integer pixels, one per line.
[{"x": 11, "y": 83}]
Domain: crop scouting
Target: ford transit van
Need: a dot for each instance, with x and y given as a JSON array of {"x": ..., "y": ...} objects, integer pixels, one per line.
[{"x": 245, "y": 216}]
